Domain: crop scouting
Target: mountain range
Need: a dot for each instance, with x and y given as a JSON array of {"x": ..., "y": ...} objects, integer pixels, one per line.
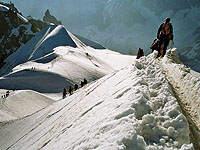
[
  {"x": 124, "y": 26},
  {"x": 127, "y": 104}
]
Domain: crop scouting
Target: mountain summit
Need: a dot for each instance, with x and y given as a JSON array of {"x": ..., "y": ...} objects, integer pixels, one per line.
[{"x": 51, "y": 19}]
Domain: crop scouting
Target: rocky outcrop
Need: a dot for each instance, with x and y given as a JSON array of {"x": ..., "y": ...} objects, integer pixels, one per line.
[
  {"x": 13, "y": 33},
  {"x": 11, "y": 6},
  {"x": 48, "y": 18},
  {"x": 37, "y": 25},
  {"x": 15, "y": 30}
]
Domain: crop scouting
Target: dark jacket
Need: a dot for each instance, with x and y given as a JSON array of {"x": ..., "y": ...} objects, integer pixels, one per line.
[{"x": 162, "y": 33}]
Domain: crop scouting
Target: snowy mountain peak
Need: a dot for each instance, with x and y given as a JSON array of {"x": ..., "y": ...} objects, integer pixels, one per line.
[
  {"x": 54, "y": 37},
  {"x": 51, "y": 19},
  {"x": 41, "y": 44}
]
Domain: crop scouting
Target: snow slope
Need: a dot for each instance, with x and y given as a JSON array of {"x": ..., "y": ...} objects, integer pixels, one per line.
[
  {"x": 133, "y": 108},
  {"x": 22, "y": 103},
  {"x": 59, "y": 59},
  {"x": 52, "y": 60},
  {"x": 188, "y": 84},
  {"x": 187, "y": 88},
  {"x": 43, "y": 43}
]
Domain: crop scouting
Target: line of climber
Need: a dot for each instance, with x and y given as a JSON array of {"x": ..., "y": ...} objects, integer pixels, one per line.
[
  {"x": 71, "y": 89},
  {"x": 6, "y": 95}
]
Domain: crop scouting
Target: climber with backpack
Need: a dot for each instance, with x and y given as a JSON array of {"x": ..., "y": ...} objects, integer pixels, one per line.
[{"x": 164, "y": 35}]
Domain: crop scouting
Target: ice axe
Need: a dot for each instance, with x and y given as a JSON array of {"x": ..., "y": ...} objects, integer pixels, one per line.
[{"x": 172, "y": 42}]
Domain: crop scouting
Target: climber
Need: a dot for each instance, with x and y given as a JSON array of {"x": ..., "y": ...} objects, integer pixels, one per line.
[
  {"x": 82, "y": 83},
  {"x": 140, "y": 53},
  {"x": 64, "y": 93},
  {"x": 75, "y": 87},
  {"x": 85, "y": 81},
  {"x": 70, "y": 90},
  {"x": 164, "y": 35}
]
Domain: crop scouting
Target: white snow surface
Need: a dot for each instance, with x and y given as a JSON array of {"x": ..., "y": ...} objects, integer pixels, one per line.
[
  {"x": 3, "y": 8},
  {"x": 22, "y": 18},
  {"x": 58, "y": 59},
  {"x": 22, "y": 103},
  {"x": 187, "y": 84},
  {"x": 133, "y": 108},
  {"x": 196, "y": 74},
  {"x": 54, "y": 59}
]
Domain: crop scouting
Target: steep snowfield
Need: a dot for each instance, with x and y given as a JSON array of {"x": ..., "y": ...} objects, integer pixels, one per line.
[
  {"x": 58, "y": 59},
  {"x": 187, "y": 88},
  {"x": 52, "y": 60},
  {"x": 42, "y": 44},
  {"x": 133, "y": 108},
  {"x": 189, "y": 85},
  {"x": 22, "y": 103}
]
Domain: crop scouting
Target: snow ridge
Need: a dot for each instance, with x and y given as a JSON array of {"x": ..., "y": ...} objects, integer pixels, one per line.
[
  {"x": 182, "y": 78},
  {"x": 3, "y": 8},
  {"x": 42, "y": 44},
  {"x": 187, "y": 88},
  {"x": 130, "y": 108}
]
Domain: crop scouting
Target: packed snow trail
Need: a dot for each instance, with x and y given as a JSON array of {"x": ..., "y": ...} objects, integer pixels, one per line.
[
  {"x": 133, "y": 108},
  {"x": 187, "y": 90}
]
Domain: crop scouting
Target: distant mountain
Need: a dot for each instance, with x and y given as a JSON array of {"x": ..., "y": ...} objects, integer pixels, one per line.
[
  {"x": 190, "y": 54},
  {"x": 58, "y": 54},
  {"x": 16, "y": 30},
  {"x": 48, "y": 18},
  {"x": 124, "y": 26},
  {"x": 138, "y": 21}
]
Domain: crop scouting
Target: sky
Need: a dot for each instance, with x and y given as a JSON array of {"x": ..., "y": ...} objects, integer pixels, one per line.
[
  {"x": 67, "y": 11},
  {"x": 35, "y": 9}
]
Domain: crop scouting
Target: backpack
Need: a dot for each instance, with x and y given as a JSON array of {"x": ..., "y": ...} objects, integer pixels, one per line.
[
  {"x": 166, "y": 29},
  {"x": 155, "y": 45}
]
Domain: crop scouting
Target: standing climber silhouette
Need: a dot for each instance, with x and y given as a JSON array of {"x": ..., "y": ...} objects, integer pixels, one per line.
[
  {"x": 85, "y": 81},
  {"x": 140, "y": 53},
  {"x": 164, "y": 35},
  {"x": 64, "y": 93},
  {"x": 70, "y": 90},
  {"x": 75, "y": 87}
]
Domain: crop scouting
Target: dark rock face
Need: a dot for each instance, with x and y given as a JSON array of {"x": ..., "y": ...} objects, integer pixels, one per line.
[
  {"x": 11, "y": 6},
  {"x": 37, "y": 25},
  {"x": 48, "y": 18},
  {"x": 15, "y": 31}
]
